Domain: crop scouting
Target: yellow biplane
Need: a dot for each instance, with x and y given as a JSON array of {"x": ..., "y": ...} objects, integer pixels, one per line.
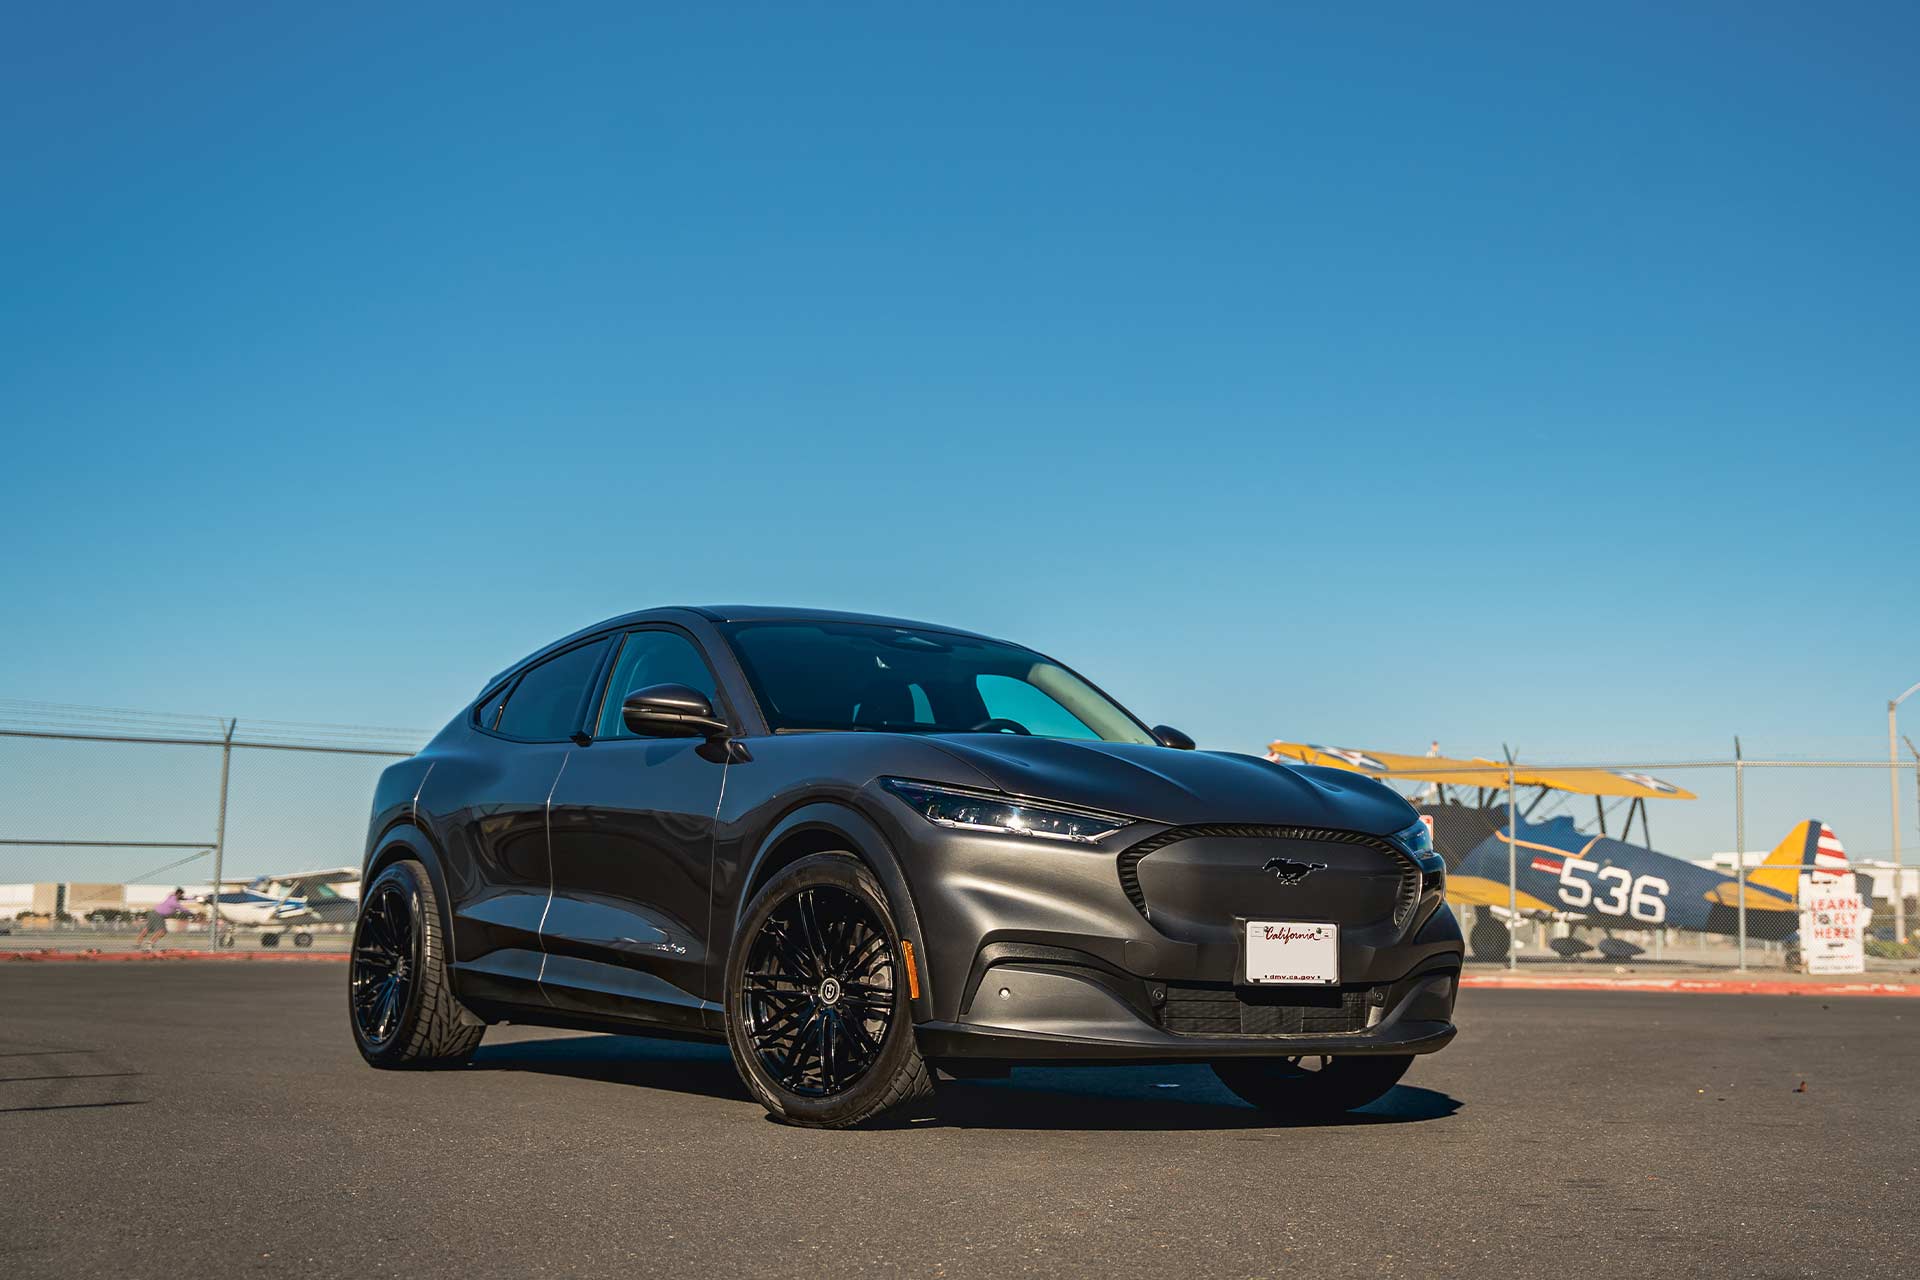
[{"x": 1559, "y": 870}]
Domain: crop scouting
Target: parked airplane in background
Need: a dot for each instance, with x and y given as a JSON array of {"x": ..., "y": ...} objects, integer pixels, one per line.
[
  {"x": 287, "y": 900},
  {"x": 1563, "y": 873}
]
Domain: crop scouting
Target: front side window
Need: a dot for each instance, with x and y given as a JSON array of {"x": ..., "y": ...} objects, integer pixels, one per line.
[
  {"x": 852, "y": 676},
  {"x": 648, "y": 658},
  {"x": 545, "y": 705}
]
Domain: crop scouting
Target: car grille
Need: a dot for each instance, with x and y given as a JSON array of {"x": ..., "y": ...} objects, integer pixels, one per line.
[
  {"x": 1193, "y": 1010},
  {"x": 1407, "y": 898}
]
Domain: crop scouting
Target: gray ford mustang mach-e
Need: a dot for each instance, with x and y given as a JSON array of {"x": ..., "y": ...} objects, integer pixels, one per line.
[{"x": 860, "y": 849}]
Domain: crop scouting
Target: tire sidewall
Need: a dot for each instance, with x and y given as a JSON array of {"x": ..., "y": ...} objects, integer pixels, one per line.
[
  {"x": 412, "y": 880},
  {"x": 865, "y": 1099}
]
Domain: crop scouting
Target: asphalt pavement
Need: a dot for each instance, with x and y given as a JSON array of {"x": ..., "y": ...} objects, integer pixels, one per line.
[{"x": 210, "y": 1118}]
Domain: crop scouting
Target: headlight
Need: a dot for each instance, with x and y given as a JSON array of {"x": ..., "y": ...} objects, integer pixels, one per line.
[
  {"x": 1418, "y": 841},
  {"x": 1003, "y": 815}
]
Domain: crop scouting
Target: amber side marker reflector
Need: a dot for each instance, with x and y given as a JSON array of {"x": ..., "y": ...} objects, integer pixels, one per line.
[{"x": 913, "y": 970}]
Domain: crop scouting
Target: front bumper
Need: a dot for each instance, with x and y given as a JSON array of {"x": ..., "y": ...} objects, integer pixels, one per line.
[
  {"x": 1052, "y": 1012},
  {"x": 1034, "y": 952}
]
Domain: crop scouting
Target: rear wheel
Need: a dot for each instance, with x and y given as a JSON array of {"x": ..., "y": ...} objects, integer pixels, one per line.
[
  {"x": 817, "y": 1004},
  {"x": 400, "y": 1000},
  {"x": 1312, "y": 1085}
]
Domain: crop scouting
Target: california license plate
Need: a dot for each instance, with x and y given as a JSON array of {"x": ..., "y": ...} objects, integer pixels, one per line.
[{"x": 1293, "y": 953}]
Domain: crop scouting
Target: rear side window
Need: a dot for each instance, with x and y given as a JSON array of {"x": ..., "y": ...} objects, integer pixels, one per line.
[{"x": 545, "y": 704}]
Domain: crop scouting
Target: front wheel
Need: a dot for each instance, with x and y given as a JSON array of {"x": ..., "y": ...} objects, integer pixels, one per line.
[
  {"x": 817, "y": 999},
  {"x": 1304, "y": 1087},
  {"x": 400, "y": 999}
]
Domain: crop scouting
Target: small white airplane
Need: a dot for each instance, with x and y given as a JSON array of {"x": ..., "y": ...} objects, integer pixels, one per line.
[{"x": 277, "y": 903}]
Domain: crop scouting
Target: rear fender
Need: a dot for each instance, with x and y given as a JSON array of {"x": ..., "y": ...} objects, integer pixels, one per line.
[{"x": 403, "y": 840}]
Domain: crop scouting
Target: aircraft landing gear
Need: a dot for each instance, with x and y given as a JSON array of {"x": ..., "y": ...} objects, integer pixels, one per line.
[
  {"x": 302, "y": 939},
  {"x": 1491, "y": 939},
  {"x": 269, "y": 939}
]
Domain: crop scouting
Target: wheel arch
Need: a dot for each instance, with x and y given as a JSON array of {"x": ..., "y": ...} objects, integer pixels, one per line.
[
  {"x": 405, "y": 840},
  {"x": 828, "y": 827}
]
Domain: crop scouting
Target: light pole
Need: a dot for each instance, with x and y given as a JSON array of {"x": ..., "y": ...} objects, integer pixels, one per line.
[{"x": 1893, "y": 796}]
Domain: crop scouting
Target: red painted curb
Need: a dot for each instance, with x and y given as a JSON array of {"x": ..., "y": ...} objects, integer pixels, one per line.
[
  {"x": 1710, "y": 986},
  {"x": 299, "y": 957}
]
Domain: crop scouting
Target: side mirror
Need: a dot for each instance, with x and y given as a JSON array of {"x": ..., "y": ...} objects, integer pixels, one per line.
[
  {"x": 671, "y": 711},
  {"x": 1172, "y": 737}
]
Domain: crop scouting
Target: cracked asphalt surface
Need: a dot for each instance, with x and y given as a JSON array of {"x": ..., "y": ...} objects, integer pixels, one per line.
[{"x": 210, "y": 1117}]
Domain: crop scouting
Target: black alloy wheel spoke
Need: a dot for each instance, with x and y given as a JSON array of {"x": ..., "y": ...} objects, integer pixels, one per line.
[
  {"x": 794, "y": 1072},
  {"x": 810, "y": 928},
  {"x": 872, "y": 949},
  {"x": 795, "y": 960},
  {"x": 818, "y": 996},
  {"x": 856, "y": 1033},
  {"x": 789, "y": 1018},
  {"x": 383, "y": 962}
]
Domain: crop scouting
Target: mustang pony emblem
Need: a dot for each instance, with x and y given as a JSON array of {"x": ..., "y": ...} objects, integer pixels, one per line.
[{"x": 1291, "y": 872}]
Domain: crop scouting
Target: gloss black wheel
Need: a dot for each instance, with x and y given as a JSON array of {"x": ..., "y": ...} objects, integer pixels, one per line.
[
  {"x": 819, "y": 991},
  {"x": 385, "y": 960},
  {"x": 399, "y": 996},
  {"x": 817, "y": 998}
]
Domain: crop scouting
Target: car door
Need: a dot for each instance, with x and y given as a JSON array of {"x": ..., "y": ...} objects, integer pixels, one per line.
[
  {"x": 632, "y": 828},
  {"x": 487, "y": 799}
]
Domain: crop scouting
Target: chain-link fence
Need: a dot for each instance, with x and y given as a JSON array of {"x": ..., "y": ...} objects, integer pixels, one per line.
[
  {"x": 125, "y": 829},
  {"x": 1768, "y": 865},
  {"x": 1792, "y": 866}
]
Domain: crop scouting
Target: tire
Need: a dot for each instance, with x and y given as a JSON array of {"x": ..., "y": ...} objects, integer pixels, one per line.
[
  {"x": 1294, "y": 1087},
  {"x": 1491, "y": 939},
  {"x": 811, "y": 1051},
  {"x": 269, "y": 939},
  {"x": 400, "y": 1001},
  {"x": 302, "y": 939}
]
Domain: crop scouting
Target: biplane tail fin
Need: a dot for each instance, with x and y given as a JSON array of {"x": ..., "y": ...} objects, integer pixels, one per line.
[{"x": 1810, "y": 846}]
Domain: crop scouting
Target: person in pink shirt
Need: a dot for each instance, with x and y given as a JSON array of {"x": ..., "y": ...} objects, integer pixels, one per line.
[{"x": 156, "y": 923}]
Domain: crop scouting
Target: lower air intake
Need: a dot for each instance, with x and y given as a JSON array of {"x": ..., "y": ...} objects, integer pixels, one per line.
[{"x": 1193, "y": 1010}]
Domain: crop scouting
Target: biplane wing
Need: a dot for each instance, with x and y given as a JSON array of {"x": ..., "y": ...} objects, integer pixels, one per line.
[
  {"x": 1391, "y": 764},
  {"x": 1479, "y": 772}
]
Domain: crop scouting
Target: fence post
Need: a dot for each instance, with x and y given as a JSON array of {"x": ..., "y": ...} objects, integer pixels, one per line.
[
  {"x": 1893, "y": 797},
  {"x": 220, "y": 838},
  {"x": 1740, "y": 844},
  {"x": 1513, "y": 868}
]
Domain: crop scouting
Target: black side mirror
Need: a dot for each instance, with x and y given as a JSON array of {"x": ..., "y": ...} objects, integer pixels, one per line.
[
  {"x": 1172, "y": 737},
  {"x": 671, "y": 711}
]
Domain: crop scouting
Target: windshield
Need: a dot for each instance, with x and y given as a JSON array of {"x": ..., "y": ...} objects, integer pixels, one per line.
[{"x": 850, "y": 675}]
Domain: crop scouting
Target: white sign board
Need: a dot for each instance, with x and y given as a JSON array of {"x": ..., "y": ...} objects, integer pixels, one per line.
[{"x": 1834, "y": 915}]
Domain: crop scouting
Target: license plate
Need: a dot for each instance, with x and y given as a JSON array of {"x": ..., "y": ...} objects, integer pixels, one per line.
[{"x": 1293, "y": 953}]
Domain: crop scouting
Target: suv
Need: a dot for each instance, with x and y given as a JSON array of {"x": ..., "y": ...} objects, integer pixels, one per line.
[{"x": 861, "y": 849}]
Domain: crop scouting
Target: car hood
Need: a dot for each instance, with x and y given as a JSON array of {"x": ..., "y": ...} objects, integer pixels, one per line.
[{"x": 1180, "y": 787}]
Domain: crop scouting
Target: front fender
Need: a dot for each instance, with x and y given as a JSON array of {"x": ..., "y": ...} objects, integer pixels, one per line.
[{"x": 824, "y": 825}]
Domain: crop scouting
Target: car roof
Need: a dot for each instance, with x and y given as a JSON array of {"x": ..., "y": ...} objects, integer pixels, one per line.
[
  {"x": 726, "y": 613},
  {"x": 776, "y": 613}
]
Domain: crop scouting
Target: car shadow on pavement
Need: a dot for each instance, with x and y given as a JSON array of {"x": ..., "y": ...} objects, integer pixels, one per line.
[
  {"x": 1092, "y": 1098},
  {"x": 1147, "y": 1098},
  {"x": 682, "y": 1066}
]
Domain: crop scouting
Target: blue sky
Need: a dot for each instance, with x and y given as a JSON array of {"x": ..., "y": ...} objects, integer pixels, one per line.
[{"x": 1497, "y": 374}]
